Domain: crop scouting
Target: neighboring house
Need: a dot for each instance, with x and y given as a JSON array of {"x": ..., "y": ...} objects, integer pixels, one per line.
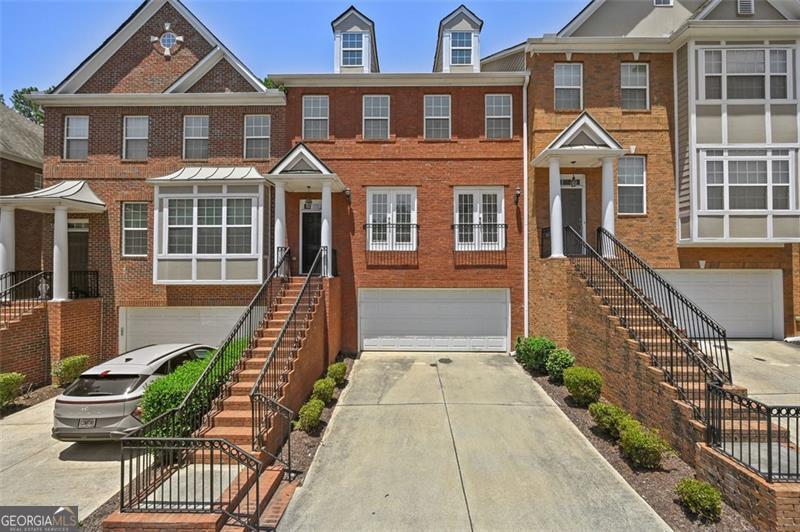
[
  {"x": 674, "y": 125},
  {"x": 21, "y": 151}
]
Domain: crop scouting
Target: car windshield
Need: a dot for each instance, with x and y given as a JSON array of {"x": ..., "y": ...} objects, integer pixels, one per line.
[{"x": 95, "y": 385}]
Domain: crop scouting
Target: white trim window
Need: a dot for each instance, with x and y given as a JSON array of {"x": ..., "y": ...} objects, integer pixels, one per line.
[
  {"x": 195, "y": 137},
  {"x": 479, "y": 219},
  {"x": 437, "y": 116},
  {"x": 460, "y": 48},
  {"x": 746, "y": 74},
  {"x": 38, "y": 181},
  {"x": 134, "y": 229},
  {"x": 352, "y": 49},
  {"x": 498, "y": 116},
  {"x": 748, "y": 180},
  {"x": 239, "y": 226},
  {"x": 568, "y": 83},
  {"x": 180, "y": 226},
  {"x": 632, "y": 185},
  {"x": 315, "y": 117},
  {"x": 135, "y": 137},
  {"x": 76, "y": 138},
  {"x": 391, "y": 219},
  {"x": 257, "y": 136},
  {"x": 635, "y": 86},
  {"x": 376, "y": 117}
]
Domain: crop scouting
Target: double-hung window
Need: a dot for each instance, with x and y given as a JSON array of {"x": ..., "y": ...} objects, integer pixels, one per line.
[
  {"x": 498, "y": 116},
  {"x": 479, "y": 219},
  {"x": 135, "y": 138},
  {"x": 568, "y": 86},
  {"x": 209, "y": 226},
  {"x": 376, "y": 117},
  {"x": 437, "y": 116},
  {"x": 746, "y": 74},
  {"x": 635, "y": 86},
  {"x": 195, "y": 137},
  {"x": 461, "y": 48},
  {"x": 315, "y": 117},
  {"x": 750, "y": 180},
  {"x": 76, "y": 137},
  {"x": 180, "y": 226},
  {"x": 352, "y": 49},
  {"x": 239, "y": 226},
  {"x": 632, "y": 185},
  {"x": 257, "y": 136},
  {"x": 134, "y": 229},
  {"x": 391, "y": 219}
]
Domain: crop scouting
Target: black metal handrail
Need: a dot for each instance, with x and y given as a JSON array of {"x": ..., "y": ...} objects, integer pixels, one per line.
[
  {"x": 391, "y": 237},
  {"x": 761, "y": 437},
  {"x": 83, "y": 284},
  {"x": 702, "y": 330},
  {"x": 23, "y": 297},
  {"x": 684, "y": 366},
  {"x": 479, "y": 237},
  {"x": 267, "y": 412},
  {"x": 80, "y": 283},
  {"x": 164, "y": 455}
]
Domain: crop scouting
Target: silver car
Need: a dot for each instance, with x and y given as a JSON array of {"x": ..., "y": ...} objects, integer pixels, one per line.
[{"x": 103, "y": 403}]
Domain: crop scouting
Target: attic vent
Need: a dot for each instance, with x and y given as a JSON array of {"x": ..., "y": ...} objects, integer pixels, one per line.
[
  {"x": 745, "y": 7},
  {"x": 662, "y": 3}
]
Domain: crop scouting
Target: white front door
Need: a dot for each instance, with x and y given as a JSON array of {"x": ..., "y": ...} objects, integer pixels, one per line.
[{"x": 411, "y": 319}]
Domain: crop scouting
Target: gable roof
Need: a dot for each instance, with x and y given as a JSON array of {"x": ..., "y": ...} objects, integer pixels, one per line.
[
  {"x": 460, "y": 10},
  {"x": 352, "y": 10},
  {"x": 20, "y": 139},
  {"x": 585, "y": 139},
  {"x": 712, "y": 5},
  {"x": 138, "y": 18},
  {"x": 302, "y": 156}
]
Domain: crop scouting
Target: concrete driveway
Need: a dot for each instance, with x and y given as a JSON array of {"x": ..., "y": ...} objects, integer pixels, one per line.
[
  {"x": 457, "y": 442},
  {"x": 770, "y": 370},
  {"x": 35, "y": 469}
]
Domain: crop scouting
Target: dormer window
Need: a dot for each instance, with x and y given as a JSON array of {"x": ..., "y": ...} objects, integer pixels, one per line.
[
  {"x": 352, "y": 49},
  {"x": 461, "y": 48}
]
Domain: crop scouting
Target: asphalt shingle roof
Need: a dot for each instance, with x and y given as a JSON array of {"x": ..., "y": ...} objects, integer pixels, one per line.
[{"x": 19, "y": 137}]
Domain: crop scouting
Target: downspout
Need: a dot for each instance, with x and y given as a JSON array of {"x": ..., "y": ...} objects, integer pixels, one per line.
[{"x": 525, "y": 244}]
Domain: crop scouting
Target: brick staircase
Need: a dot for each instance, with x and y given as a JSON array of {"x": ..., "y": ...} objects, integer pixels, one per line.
[{"x": 12, "y": 314}]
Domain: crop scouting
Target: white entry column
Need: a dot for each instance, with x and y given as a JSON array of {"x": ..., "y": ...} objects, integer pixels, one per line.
[
  {"x": 609, "y": 213},
  {"x": 556, "y": 222},
  {"x": 280, "y": 219},
  {"x": 7, "y": 240},
  {"x": 60, "y": 255},
  {"x": 326, "y": 239}
]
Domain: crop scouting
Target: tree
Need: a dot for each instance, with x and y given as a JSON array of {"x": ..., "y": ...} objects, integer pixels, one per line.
[{"x": 28, "y": 109}]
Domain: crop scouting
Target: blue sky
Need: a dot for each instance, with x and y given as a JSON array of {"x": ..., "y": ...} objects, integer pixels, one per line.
[{"x": 41, "y": 41}]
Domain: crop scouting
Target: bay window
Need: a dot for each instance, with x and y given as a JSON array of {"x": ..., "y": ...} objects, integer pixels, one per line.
[
  {"x": 391, "y": 219},
  {"x": 479, "y": 219},
  {"x": 745, "y": 73},
  {"x": 748, "y": 180}
]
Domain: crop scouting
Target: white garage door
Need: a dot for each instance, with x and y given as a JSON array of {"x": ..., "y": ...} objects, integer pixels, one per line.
[
  {"x": 748, "y": 303},
  {"x": 140, "y": 326},
  {"x": 433, "y": 320}
]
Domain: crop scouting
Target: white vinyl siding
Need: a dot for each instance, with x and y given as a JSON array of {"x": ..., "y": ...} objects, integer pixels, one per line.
[
  {"x": 257, "y": 136},
  {"x": 391, "y": 219},
  {"x": 568, "y": 86},
  {"x": 76, "y": 138},
  {"x": 635, "y": 84},
  {"x": 437, "y": 116},
  {"x": 376, "y": 117},
  {"x": 195, "y": 137},
  {"x": 498, "y": 116},
  {"x": 135, "y": 134},
  {"x": 632, "y": 185},
  {"x": 134, "y": 229},
  {"x": 315, "y": 117}
]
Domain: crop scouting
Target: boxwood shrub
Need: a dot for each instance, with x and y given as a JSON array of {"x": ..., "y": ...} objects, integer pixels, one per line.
[
  {"x": 337, "y": 372},
  {"x": 610, "y": 418},
  {"x": 557, "y": 361},
  {"x": 642, "y": 446},
  {"x": 700, "y": 498},
  {"x": 68, "y": 369},
  {"x": 532, "y": 352},
  {"x": 168, "y": 391},
  {"x": 9, "y": 387},
  {"x": 309, "y": 414},
  {"x": 323, "y": 390},
  {"x": 584, "y": 384}
]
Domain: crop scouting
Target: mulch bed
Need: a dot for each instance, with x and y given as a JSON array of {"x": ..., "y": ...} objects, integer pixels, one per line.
[
  {"x": 31, "y": 396},
  {"x": 656, "y": 487}
]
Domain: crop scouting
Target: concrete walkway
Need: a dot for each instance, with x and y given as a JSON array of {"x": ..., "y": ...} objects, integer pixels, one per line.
[
  {"x": 35, "y": 469},
  {"x": 769, "y": 369},
  {"x": 458, "y": 442}
]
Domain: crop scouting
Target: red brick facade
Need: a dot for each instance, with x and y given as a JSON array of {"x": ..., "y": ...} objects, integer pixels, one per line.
[
  {"x": 16, "y": 178},
  {"x": 24, "y": 347}
]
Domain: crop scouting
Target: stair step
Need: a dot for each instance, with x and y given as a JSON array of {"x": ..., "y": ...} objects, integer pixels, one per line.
[
  {"x": 255, "y": 362},
  {"x": 236, "y": 435},
  {"x": 233, "y": 418},
  {"x": 236, "y": 402}
]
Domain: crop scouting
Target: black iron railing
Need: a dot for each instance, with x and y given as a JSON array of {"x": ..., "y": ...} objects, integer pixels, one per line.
[
  {"x": 83, "y": 284},
  {"x": 166, "y": 461},
  {"x": 80, "y": 283},
  {"x": 23, "y": 297},
  {"x": 761, "y": 437},
  {"x": 479, "y": 237},
  {"x": 267, "y": 413},
  {"x": 684, "y": 366},
  {"x": 707, "y": 335},
  {"x": 391, "y": 237}
]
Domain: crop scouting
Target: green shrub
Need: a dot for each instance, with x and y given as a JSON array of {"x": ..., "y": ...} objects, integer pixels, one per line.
[
  {"x": 700, "y": 498},
  {"x": 308, "y": 417},
  {"x": 557, "y": 361},
  {"x": 531, "y": 352},
  {"x": 323, "y": 390},
  {"x": 337, "y": 372},
  {"x": 9, "y": 387},
  {"x": 584, "y": 384},
  {"x": 168, "y": 391},
  {"x": 68, "y": 369},
  {"x": 642, "y": 446},
  {"x": 609, "y": 417}
]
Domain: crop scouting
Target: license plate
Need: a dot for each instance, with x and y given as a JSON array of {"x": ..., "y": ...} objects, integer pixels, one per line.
[{"x": 87, "y": 423}]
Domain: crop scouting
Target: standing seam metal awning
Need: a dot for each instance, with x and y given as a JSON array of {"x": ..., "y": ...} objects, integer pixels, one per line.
[
  {"x": 75, "y": 195},
  {"x": 210, "y": 174}
]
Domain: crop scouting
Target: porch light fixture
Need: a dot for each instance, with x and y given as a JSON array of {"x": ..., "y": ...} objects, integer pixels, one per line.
[
  {"x": 307, "y": 204},
  {"x": 517, "y": 193},
  {"x": 347, "y": 195}
]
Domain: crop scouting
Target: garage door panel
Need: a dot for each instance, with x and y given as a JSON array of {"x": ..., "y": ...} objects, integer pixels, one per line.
[
  {"x": 434, "y": 320},
  {"x": 141, "y": 326}
]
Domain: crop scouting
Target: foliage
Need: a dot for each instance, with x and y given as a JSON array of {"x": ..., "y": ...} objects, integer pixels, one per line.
[
  {"x": 323, "y": 390},
  {"x": 584, "y": 384},
  {"x": 308, "y": 417},
  {"x": 68, "y": 369},
  {"x": 700, "y": 498},
  {"x": 169, "y": 391},
  {"x": 557, "y": 361},
  {"x": 9, "y": 387},
  {"x": 28, "y": 109},
  {"x": 608, "y": 417},
  {"x": 338, "y": 372},
  {"x": 272, "y": 84},
  {"x": 532, "y": 352},
  {"x": 642, "y": 446}
]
